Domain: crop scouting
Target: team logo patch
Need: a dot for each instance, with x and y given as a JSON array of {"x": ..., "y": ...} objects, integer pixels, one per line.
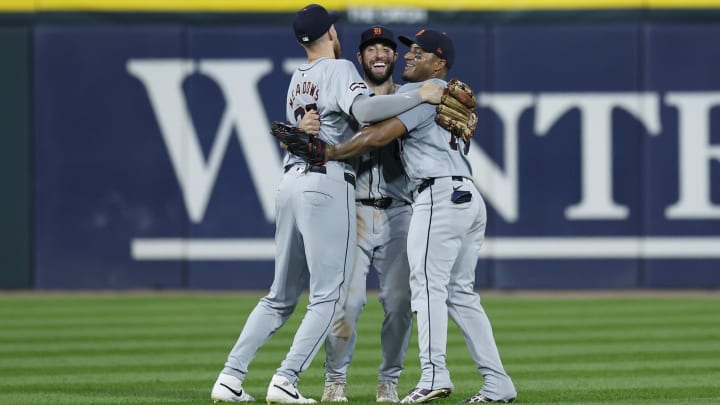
[{"x": 357, "y": 85}]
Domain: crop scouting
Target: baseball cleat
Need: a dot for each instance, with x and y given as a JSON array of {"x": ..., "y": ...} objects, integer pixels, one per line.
[
  {"x": 228, "y": 388},
  {"x": 387, "y": 392},
  {"x": 282, "y": 391},
  {"x": 480, "y": 398},
  {"x": 421, "y": 395},
  {"x": 335, "y": 392}
]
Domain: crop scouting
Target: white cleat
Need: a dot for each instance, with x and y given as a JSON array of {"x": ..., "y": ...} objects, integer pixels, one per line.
[
  {"x": 335, "y": 392},
  {"x": 282, "y": 391},
  {"x": 421, "y": 395},
  {"x": 387, "y": 392},
  {"x": 228, "y": 388}
]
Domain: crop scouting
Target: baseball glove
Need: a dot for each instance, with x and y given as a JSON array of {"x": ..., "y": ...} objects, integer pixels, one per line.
[
  {"x": 301, "y": 144},
  {"x": 456, "y": 111}
]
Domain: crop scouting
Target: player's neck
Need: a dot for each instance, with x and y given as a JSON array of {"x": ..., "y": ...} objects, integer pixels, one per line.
[
  {"x": 386, "y": 87},
  {"x": 320, "y": 52},
  {"x": 439, "y": 74}
]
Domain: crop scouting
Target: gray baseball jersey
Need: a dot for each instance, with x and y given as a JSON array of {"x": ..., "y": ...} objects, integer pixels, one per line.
[
  {"x": 315, "y": 227},
  {"x": 380, "y": 174},
  {"x": 429, "y": 150},
  {"x": 446, "y": 231},
  {"x": 383, "y": 218},
  {"x": 341, "y": 85}
]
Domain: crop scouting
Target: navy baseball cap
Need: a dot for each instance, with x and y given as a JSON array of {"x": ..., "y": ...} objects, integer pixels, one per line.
[
  {"x": 312, "y": 21},
  {"x": 377, "y": 33},
  {"x": 436, "y": 42}
]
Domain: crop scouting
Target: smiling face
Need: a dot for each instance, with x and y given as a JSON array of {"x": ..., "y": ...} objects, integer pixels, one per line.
[
  {"x": 421, "y": 65},
  {"x": 378, "y": 61}
]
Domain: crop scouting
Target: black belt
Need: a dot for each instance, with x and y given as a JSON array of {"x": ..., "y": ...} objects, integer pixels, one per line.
[
  {"x": 349, "y": 177},
  {"x": 430, "y": 181},
  {"x": 380, "y": 203}
]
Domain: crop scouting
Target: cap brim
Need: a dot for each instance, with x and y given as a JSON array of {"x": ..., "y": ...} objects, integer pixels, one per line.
[{"x": 407, "y": 41}]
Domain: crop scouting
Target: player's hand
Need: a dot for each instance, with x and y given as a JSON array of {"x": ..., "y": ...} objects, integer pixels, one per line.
[
  {"x": 308, "y": 147},
  {"x": 431, "y": 93},
  {"x": 310, "y": 123}
]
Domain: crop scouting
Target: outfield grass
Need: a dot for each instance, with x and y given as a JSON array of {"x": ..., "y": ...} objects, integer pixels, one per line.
[{"x": 145, "y": 348}]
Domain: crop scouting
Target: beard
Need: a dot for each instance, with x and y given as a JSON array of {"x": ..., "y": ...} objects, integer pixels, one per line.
[{"x": 378, "y": 79}]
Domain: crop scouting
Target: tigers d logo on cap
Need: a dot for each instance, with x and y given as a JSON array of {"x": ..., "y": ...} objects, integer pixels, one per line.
[
  {"x": 435, "y": 42},
  {"x": 377, "y": 33}
]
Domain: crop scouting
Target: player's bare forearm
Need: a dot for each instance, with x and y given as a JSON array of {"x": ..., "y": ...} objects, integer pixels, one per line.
[{"x": 368, "y": 138}]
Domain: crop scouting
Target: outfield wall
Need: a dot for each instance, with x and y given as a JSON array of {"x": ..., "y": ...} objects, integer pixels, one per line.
[
  {"x": 15, "y": 163},
  {"x": 136, "y": 151}
]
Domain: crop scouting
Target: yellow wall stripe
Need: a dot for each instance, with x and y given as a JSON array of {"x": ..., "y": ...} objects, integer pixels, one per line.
[{"x": 292, "y": 5}]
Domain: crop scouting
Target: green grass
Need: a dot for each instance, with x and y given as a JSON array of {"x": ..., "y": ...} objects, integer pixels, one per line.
[{"x": 146, "y": 348}]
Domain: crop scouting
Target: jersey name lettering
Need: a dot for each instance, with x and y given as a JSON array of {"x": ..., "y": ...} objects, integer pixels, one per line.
[{"x": 309, "y": 88}]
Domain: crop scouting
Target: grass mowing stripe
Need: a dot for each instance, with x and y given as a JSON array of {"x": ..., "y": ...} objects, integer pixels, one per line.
[
  {"x": 92, "y": 379},
  {"x": 171, "y": 316},
  {"x": 119, "y": 344},
  {"x": 623, "y": 382},
  {"x": 616, "y": 337},
  {"x": 580, "y": 348},
  {"x": 158, "y": 349},
  {"x": 631, "y": 365},
  {"x": 640, "y": 332},
  {"x": 117, "y": 320},
  {"x": 64, "y": 370},
  {"x": 510, "y": 357},
  {"x": 109, "y": 334},
  {"x": 57, "y": 397},
  {"x": 678, "y": 374},
  {"x": 124, "y": 342},
  {"x": 580, "y": 322}
]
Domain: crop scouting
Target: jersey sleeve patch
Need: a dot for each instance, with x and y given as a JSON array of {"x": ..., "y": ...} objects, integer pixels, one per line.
[{"x": 357, "y": 85}]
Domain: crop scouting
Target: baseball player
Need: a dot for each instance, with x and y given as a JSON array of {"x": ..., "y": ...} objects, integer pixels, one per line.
[
  {"x": 446, "y": 229},
  {"x": 383, "y": 217},
  {"x": 310, "y": 197}
]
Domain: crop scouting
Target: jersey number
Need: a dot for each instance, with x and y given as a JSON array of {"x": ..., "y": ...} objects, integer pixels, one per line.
[{"x": 300, "y": 111}]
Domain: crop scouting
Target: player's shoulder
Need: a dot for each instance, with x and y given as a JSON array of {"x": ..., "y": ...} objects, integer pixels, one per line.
[
  {"x": 345, "y": 64},
  {"x": 342, "y": 61},
  {"x": 338, "y": 68},
  {"x": 338, "y": 63},
  {"x": 414, "y": 85},
  {"x": 329, "y": 64},
  {"x": 408, "y": 87}
]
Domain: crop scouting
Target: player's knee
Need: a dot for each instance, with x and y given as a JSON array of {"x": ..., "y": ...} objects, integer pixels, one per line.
[
  {"x": 342, "y": 328},
  {"x": 396, "y": 304},
  {"x": 353, "y": 311}
]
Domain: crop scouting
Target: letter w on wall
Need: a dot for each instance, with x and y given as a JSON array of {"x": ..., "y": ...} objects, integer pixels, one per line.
[{"x": 163, "y": 79}]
